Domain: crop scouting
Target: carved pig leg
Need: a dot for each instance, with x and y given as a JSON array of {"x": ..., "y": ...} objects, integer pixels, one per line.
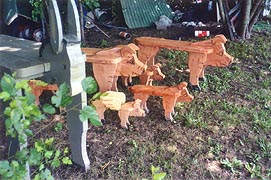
[
  {"x": 100, "y": 108},
  {"x": 114, "y": 84},
  {"x": 143, "y": 98},
  {"x": 196, "y": 63},
  {"x": 201, "y": 75},
  {"x": 123, "y": 115},
  {"x": 168, "y": 104}
]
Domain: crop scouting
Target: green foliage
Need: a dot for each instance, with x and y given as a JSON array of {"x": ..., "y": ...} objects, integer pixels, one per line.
[
  {"x": 254, "y": 170},
  {"x": 91, "y": 4},
  {"x": 58, "y": 127},
  {"x": 89, "y": 112},
  {"x": 156, "y": 175},
  {"x": 103, "y": 44},
  {"x": 37, "y": 11},
  {"x": 62, "y": 97},
  {"x": 233, "y": 165},
  {"x": 89, "y": 85},
  {"x": 21, "y": 112}
]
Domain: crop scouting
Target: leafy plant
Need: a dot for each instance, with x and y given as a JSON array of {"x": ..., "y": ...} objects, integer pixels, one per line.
[
  {"x": 103, "y": 44},
  {"x": 91, "y": 4},
  {"x": 233, "y": 165},
  {"x": 156, "y": 174},
  {"x": 37, "y": 11},
  {"x": 21, "y": 112},
  {"x": 254, "y": 170}
]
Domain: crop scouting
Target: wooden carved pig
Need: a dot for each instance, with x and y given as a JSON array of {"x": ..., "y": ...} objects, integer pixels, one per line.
[
  {"x": 116, "y": 101},
  {"x": 170, "y": 95}
]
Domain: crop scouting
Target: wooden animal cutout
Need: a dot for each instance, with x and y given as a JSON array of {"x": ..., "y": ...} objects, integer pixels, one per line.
[
  {"x": 109, "y": 64},
  {"x": 170, "y": 95},
  {"x": 152, "y": 73},
  {"x": 201, "y": 54},
  {"x": 116, "y": 101},
  {"x": 38, "y": 88},
  {"x": 198, "y": 62}
]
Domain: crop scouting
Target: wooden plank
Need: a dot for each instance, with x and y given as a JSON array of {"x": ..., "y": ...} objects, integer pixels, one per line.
[
  {"x": 22, "y": 57},
  {"x": 172, "y": 44}
]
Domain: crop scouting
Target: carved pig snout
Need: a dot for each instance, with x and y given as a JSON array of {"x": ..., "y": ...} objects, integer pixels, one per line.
[
  {"x": 138, "y": 112},
  {"x": 185, "y": 96}
]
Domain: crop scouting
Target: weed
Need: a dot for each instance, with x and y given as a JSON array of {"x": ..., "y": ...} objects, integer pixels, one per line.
[
  {"x": 58, "y": 127},
  {"x": 215, "y": 148},
  {"x": 265, "y": 147},
  {"x": 156, "y": 174},
  {"x": 103, "y": 44},
  {"x": 254, "y": 170},
  {"x": 261, "y": 120},
  {"x": 234, "y": 165}
]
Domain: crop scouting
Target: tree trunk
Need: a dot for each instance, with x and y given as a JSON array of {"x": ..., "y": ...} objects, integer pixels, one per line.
[
  {"x": 254, "y": 17},
  {"x": 245, "y": 17}
]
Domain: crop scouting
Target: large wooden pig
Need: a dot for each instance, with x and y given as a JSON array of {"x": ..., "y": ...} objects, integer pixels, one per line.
[{"x": 201, "y": 54}]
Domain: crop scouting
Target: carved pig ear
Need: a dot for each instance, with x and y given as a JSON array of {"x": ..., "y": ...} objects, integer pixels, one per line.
[
  {"x": 126, "y": 51},
  {"x": 182, "y": 85},
  {"x": 133, "y": 46},
  {"x": 219, "y": 38}
]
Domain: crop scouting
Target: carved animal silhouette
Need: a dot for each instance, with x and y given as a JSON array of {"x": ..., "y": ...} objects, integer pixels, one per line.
[
  {"x": 116, "y": 101},
  {"x": 152, "y": 73},
  {"x": 201, "y": 54},
  {"x": 37, "y": 89},
  {"x": 109, "y": 64},
  {"x": 170, "y": 95}
]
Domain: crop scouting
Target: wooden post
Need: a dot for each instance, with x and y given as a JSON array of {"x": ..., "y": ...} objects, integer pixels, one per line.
[{"x": 68, "y": 65}]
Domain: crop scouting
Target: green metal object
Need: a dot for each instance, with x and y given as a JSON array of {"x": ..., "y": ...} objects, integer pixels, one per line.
[{"x": 142, "y": 13}]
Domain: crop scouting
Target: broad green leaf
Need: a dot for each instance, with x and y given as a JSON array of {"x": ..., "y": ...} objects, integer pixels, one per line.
[
  {"x": 14, "y": 164},
  {"x": 66, "y": 160},
  {"x": 30, "y": 97},
  {"x": 49, "y": 141},
  {"x": 47, "y": 108},
  {"x": 28, "y": 132},
  {"x": 46, "y": 174},
  {"x": 89, "y": 112},
  {"x": 58, "y": 126},
  {"x": 48, "y": 154},
  {"x": 37, "y": 177},
  {"x": 154, "y": 169},
  {"x": 35, "y": 157},
  {"x": 8, "y": 84},
  {"x": 39, "y": 146},
  {"x": 57, "y": 153},
  {"x": 15, "y": 115},
  {"x": 5, "y": 96},
  {"x": 23, "y": 84},
  {"x": 55, "y": 163},
  {"x": 159, "y": 176},
  {"x": 41, "y": 167},
  {"x": 89, "y": 85},
  {"x": 4, "y": 167},
  {"x": 22, "y": 154},
  {"x": 62, "y": 97}
]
